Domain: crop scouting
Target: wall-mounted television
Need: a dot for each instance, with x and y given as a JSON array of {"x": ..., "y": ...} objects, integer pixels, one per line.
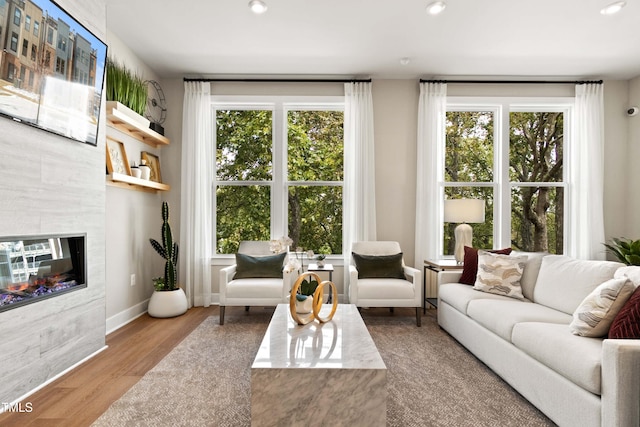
[{"x": 51, "y": 69}]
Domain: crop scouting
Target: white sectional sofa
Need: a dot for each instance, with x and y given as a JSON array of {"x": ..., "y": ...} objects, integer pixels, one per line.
[{"x": 574, "y": 380}]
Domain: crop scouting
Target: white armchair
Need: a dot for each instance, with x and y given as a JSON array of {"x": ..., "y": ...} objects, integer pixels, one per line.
[
  {"x": 253, "y": 291},
  {"x": 390, "y": 292}
]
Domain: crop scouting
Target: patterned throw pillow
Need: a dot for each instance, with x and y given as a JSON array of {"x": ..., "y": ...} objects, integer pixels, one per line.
[
  {"x": 594, "y": 315},
  {"x": 626, "y": 324},
  {"x": 470, "y": 268},
  {"x": 500, "y": 274}
]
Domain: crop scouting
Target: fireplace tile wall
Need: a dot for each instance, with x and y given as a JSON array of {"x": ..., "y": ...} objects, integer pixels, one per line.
[{"x": 53, "y": 185}]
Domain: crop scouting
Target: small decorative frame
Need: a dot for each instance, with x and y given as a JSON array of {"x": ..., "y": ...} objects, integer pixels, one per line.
[
  {"x": 153, "y": 162},
  {"x": 117, "y": 161}
]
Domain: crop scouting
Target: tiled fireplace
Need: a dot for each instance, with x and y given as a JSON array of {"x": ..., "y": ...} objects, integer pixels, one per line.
[{"x": 35, "y": 268}]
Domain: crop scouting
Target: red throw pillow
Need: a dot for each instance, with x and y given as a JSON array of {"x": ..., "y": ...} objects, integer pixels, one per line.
[
  {"x": 470, "y": 269},
  {"x": 626, "y": 324}
]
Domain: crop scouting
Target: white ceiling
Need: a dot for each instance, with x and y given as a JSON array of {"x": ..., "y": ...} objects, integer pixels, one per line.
[{"x": 367, "y": 38}]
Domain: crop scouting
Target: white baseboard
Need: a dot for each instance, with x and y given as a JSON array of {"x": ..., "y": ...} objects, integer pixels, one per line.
[
  {"x": 117, "y": 321},
  {"x": 50, "y": 380}
]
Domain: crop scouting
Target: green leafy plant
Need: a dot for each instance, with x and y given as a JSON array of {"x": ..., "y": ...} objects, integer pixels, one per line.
[
  {"x": 307, "y": 288},
  {"x": 169, "y": 251},
  {"x": 626, "y": 251},
  {"x": 158, "y": 283},
  {"x": 125, "y": 87}
]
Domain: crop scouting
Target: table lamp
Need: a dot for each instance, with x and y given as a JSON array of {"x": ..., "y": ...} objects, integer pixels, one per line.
[{"x": 463, "y": 211}]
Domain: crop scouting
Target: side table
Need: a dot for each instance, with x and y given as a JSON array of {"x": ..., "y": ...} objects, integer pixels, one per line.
[
  {"x": 327, "y": 268},
  {"x": 430, "y": 281}
]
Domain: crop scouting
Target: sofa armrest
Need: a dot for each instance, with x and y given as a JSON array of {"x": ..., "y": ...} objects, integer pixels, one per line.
[
  {"x": 415, "y": 277},
  {"x": 449, "y": 276},
  {"x": 352, "y": 292},
  {"x": 226, "y": 275},
  {"x": 621, "y": 383}
]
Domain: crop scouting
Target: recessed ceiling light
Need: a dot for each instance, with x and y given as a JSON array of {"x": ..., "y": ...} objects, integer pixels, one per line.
[
  {"x": 404, "y": 61},
  {"x": 613, "y": 8},
  {"x": 258, "y": 6},
  {"x": 436, "y": 7}
]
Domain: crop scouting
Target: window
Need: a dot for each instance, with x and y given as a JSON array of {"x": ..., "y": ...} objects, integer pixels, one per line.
[
  {"x": 17, "y": 15},
  {"x": 279, "y": 171},
  {"x": 510, "y": 154},
  {"x": 14, "y": 42},
  {"x": 50, "y": 36},
  {"x": 27, "y": 23},
  {"x": 34, "y": 52},
  {"x": 36, "y": 28},
  {"x": 25, "y": 47},
  {"x": 60, "y": 66}
]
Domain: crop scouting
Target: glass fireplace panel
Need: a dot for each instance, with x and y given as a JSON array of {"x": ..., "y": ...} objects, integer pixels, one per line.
[{"x": 40, "y": 267}]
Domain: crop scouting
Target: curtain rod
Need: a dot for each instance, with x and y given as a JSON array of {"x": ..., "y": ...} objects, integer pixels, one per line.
[
  {"x": 565, "y": 82},
  {"x": 256, "y": 80}
]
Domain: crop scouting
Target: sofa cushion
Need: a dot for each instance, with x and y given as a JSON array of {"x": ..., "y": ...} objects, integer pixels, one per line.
[
  {"x": 626, "y": 325},
  {"x": 531, "y": 270},
  {"x": 500, "y": 274},
  {"x": 594, "y": 315},
  {"x": 632, "y": 272},
  {"x": 500, "y": 316},
  {"x": 254, "y": 288},
  {"x": 269, "y": 266},
  {"x": 459, "y": 295},
  {"x": 563, "y": 282},
  {"x": 370, "y": 266},
  {"x": 385, "y": 289},
  {"x": 579, "y": 359},
  {"x": 470, "y": 268}
]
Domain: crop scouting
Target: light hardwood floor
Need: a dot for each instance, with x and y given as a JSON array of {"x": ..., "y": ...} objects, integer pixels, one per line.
[{"x": 82, "y": 395}]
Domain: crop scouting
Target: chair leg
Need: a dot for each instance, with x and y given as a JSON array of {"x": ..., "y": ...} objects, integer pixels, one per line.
[
  {"x": 419, "y": 316},
  {"x": 246, "y": 308},
  {"x": 390, "y": 309},
  {"x": 221, "y": 315}
]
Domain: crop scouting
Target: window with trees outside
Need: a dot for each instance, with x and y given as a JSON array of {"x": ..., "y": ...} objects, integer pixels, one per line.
[
  {"x": 511, "y": 155},
  {"x": 279, "y": 171}
]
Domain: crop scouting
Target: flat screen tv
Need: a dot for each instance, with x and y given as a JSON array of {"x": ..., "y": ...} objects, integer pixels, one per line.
[{"x": 51, "y": 69}]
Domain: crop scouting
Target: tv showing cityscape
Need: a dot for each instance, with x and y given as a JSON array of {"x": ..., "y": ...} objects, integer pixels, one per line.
[{"x": 51, "y": 69}]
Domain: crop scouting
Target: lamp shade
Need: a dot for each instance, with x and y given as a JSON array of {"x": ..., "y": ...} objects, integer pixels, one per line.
[{"x": 464, "y": 210}]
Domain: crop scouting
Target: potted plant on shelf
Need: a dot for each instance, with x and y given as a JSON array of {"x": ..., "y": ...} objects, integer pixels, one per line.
[
  {"x": 168, "y": 299},
  {"x": 626, "y": 251},
  {"x": 126, "y": 92}
]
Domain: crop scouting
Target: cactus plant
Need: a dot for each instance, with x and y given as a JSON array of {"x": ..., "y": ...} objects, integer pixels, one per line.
[{"x": 167, "y": 250}]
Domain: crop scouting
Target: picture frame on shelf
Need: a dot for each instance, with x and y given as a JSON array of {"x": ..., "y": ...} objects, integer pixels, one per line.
[
  {"x": 153, "y": 162},
  {"x": 117, "y": 161}
]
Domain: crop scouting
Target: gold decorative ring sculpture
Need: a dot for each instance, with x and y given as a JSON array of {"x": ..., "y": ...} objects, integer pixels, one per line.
[{"x": 317, "y": 300}]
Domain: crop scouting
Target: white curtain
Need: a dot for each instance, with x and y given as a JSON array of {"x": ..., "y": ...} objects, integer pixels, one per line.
[
  {"x": 196, "y": 193},
  {"x": 432, "y": 110},
  {"x": 359, "y": 169},
  {"x": 587, "y": 174}
]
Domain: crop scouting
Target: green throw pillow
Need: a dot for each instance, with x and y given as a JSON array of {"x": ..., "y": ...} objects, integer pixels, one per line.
[
  {"x": 269, "y": 266},
  {"x": 379, "y": 266}
]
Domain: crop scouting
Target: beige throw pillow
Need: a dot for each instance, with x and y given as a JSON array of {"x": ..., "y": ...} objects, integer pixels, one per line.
[
  {"x": 500, "y": 274},
  {"x": 594, "y": 315}
]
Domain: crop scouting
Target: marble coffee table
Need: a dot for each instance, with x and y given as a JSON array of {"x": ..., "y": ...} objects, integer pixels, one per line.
[{"x": 318, "y": 374}]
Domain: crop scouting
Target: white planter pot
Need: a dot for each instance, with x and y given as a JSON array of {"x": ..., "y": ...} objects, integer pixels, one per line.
[
  {"x": 306, "y": 306},
  {"x": 167, "y": 303},
  {"x": 124, "y": 110}
]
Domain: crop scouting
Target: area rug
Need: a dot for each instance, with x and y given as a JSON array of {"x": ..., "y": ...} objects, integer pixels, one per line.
[{"x": 431, "y": 380}]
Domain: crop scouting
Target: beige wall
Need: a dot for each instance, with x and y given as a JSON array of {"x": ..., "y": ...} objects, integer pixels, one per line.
[
  {"x": 633, "y": 154},
  {"x": 132, "y": 217}
]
